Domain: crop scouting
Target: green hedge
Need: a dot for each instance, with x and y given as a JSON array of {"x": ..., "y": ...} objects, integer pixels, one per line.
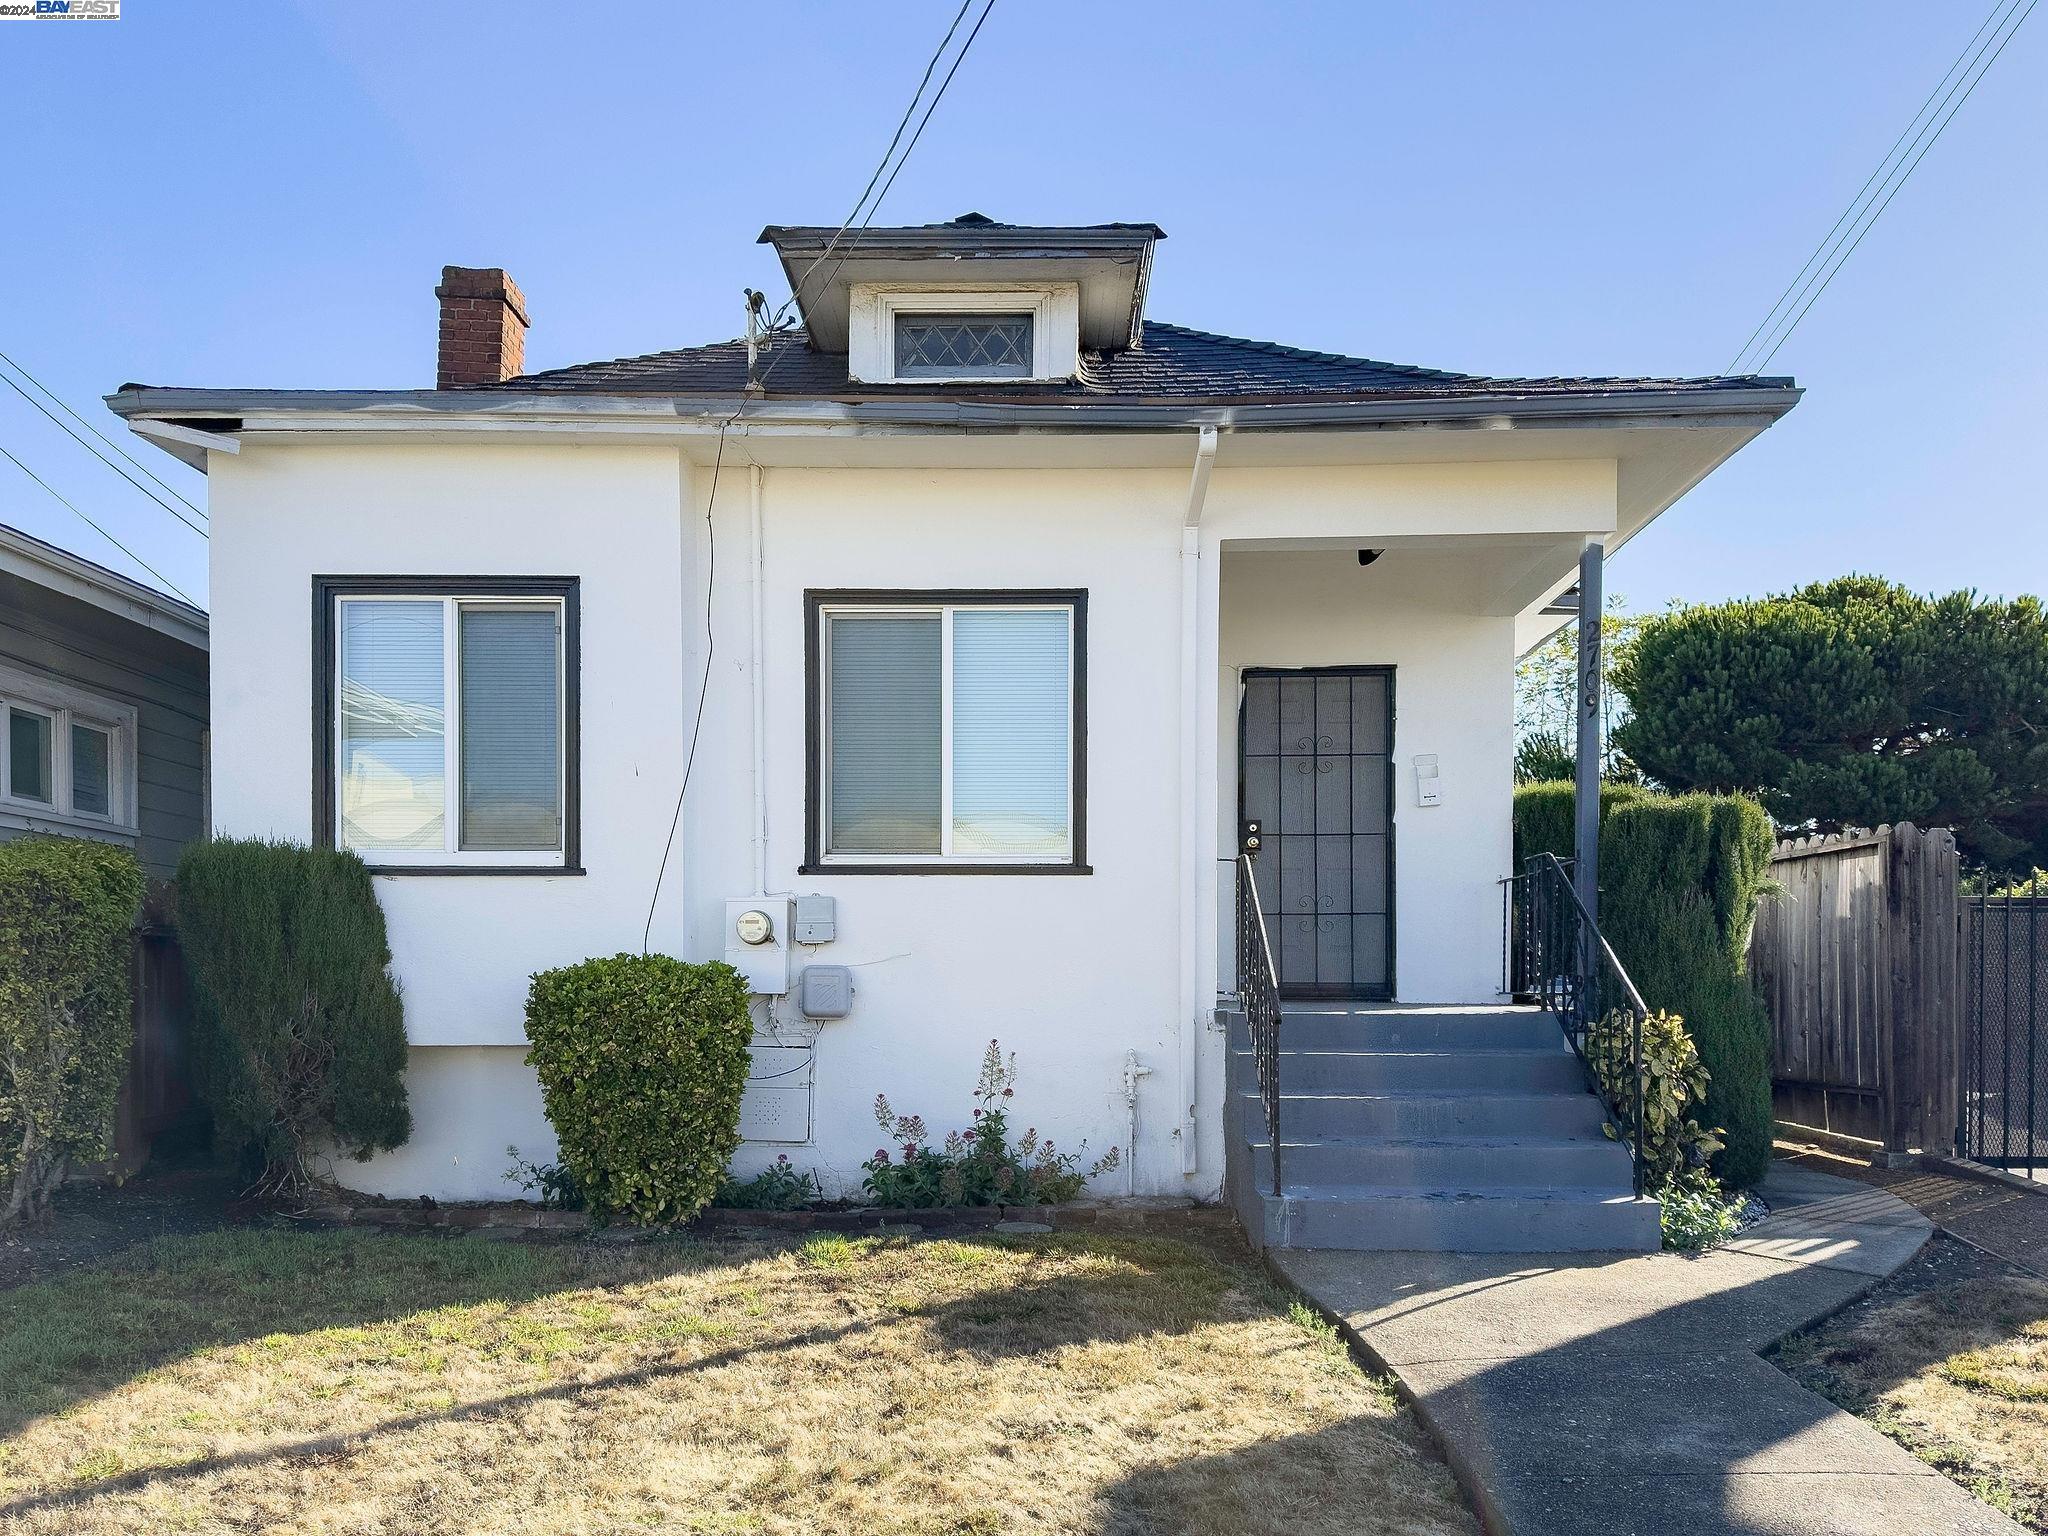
[
  {"x": 1680, "y": 879},
  {"x": 642, "y": 1060},
  {"x": 67, "y": 917},
  {"x": 298, "y": 1030},
  {"x": 1546, "y": 815}
]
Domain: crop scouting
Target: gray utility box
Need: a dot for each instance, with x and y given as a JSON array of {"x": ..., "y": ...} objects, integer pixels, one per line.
[
  {"x": 825, "y": 991},
  {"x": 817, "y": 919}
]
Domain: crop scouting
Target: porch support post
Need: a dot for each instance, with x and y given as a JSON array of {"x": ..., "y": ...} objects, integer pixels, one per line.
[{"x": 1586, "y": 839}]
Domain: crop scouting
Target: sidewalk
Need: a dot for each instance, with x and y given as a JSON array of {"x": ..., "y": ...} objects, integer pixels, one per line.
[
  {"x": 1624, "y": 1394},
  {"x": 2000, "y": 1217}
]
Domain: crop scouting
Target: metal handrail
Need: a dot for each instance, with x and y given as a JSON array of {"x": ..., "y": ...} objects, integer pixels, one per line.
[
  {"x": 1258, "y": 994},
  {"x": 1556, "y": 954}
]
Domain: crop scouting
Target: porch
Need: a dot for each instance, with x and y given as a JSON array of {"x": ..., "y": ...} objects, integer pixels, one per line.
[{"x": 1391, "y": 1095}]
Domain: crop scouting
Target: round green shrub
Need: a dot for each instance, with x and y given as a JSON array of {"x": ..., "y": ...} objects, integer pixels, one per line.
[
  {"x": 642, "y": 1060},
  {"x": 67, "y": 915}
]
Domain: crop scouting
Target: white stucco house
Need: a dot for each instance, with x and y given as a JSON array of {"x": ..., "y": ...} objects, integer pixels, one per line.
[{"x": 973, "y": 600}]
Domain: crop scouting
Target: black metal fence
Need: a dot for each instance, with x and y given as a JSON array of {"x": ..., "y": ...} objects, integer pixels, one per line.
[
  {"x": 1555, "y": 955},
  {"x": 1258, "y": 994},
  {"x": 2004, "y": 1119}
]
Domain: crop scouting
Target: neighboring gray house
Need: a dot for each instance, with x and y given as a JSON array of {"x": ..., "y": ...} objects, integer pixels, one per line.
[{"x": 103, "y": 705}]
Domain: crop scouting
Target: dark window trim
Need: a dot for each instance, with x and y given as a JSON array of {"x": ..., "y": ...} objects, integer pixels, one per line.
[
  {"x": 1390, "y": 673},
  {"x": 816, "y": 600},
  {"x": 566, "y": 589}
]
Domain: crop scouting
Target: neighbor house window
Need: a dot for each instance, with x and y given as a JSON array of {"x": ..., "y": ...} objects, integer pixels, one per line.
[
  {"x": 947, "y": 731},
  {"x": 68, "y": 754},
  {"x": 943, "y": 346},
  {"x": 448, "y": 737}
]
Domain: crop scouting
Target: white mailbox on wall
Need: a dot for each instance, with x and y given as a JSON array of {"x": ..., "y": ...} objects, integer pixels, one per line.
[{"x": 1428, "y": 781}]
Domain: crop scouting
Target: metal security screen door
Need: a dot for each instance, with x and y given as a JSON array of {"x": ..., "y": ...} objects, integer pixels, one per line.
[{"x": 1315, "y": 768}]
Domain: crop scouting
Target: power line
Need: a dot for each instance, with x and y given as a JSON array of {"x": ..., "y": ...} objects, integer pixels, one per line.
[
  {"x": 89, "y": 448},
  {"x": 1856, "y": 202},
  {"x": 958, "y": 59},
  {"x": 703, "y": 683},
  {"x": 1918, "y": 137},
  {"x": 718, "y": 460},
  {"x": 62, "y": 405},
  {"x": 938, "y": 53},
  {"x": 96, "y": 528},
  {"x": 901, "y": 161},
  {"x": 1871, "y": 222}
]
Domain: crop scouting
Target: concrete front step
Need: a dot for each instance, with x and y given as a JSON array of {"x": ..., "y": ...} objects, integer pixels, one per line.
[
  {"x": 1468, "y": 1162},
  {"x": 1552, "y": 1070},
  {"x": 1314, "y": 1116},
  {"x": 1481, "y": 1220},
  {"x": 1411, "y": 1029}
]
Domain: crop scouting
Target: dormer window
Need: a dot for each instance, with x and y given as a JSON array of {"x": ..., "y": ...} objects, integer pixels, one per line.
[
  {"x": 969, "y": 302},
  {"x": 963, "y": 333},
  {"x": 963, "y": 346}
]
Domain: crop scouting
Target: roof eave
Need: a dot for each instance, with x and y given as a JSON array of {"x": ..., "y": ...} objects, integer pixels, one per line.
[
  {"x": 58, "y": 570},
  {"x": 1760, "y": 405},
  {"x": 913, "y": 243}
]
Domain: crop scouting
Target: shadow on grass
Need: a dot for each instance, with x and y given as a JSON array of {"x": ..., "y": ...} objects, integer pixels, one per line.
[
  {"x": 67, "y": 1339},
  {"x": 1355, "y": 1478},
  {"x": 64, "y": 1341},
  {"x": 1144, "y": 1288},
  {"x": 1948, "y": 1302}
]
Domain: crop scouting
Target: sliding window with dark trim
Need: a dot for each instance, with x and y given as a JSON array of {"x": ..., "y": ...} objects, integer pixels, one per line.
[
  {"x": 946, "y": 732},
  {"x": 445, "y": 723}
]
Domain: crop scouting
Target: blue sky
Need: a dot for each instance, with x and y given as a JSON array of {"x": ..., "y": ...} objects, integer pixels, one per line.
[{"x": 264, "y": 195}]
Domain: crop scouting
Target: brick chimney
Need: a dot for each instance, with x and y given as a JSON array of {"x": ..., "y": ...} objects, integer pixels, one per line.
[{"x": 483, "y": 327}]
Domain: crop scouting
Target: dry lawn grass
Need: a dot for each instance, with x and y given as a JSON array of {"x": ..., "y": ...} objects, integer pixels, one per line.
[
  {"x": 1957, "y": 1373},
  {"x": 344, "y": 1382}
]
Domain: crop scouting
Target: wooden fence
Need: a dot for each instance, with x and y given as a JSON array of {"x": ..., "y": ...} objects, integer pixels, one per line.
[
  {"x": 157, "y": 1094},
  {"x": 1856, "y": 957}
]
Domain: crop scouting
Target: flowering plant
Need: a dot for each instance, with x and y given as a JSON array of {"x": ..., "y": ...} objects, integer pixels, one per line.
[{"x": 980, "y": 1165}]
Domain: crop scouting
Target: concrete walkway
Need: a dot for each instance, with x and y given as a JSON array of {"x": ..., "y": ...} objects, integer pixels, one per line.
[
  {"x": 2001, "y": 1213},
  {"x": 1623, "y": 1394}
]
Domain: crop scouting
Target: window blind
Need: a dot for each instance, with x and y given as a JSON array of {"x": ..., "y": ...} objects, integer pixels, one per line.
[
  {"x": 511, "y": 729},
  {"x": 885, "y": 721},
  {"x": 28, "y": 756},
  {"x": 1012, "y": 718},
  {"x": 90, "y": 788},
  {"x": 393, "y": 737}
]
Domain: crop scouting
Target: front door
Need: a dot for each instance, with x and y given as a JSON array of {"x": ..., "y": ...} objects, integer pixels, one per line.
[{"x": 1315, "y": 768}]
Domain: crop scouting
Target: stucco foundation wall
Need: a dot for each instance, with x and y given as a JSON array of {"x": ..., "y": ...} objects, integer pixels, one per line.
[
  {"x": 1070, "y": 972},
  {"x": 469, "y": 1104}
]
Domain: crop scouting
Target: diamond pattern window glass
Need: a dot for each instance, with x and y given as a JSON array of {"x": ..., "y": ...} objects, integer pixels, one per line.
[{"x": 963, "y": 346}]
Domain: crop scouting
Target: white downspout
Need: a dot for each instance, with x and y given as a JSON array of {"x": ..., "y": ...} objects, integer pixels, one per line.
[
  {"x": 759, "y": 684},
  {"x": 1193, "y": 1005}
]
